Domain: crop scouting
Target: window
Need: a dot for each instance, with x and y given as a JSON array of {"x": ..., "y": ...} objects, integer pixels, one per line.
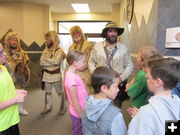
[{"x": 91, "y": 29}]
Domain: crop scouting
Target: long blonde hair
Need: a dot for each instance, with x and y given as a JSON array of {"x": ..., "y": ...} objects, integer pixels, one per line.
[
  {"x": 9, "y": 36},
  {"x": 147, "y": 51},
  {"x": 52, "y": 36}
]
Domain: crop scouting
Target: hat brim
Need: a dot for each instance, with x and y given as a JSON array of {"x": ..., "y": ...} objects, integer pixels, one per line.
[{"x": 104, "y": 31}]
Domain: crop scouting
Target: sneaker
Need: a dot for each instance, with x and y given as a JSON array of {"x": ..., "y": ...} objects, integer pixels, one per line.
[{"x": 46, "y": 111}]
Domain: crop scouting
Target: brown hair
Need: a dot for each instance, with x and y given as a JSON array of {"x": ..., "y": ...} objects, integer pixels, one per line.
[
  {"x": 153, "y": 57},
  {"x": 74, "y": 55},
  {"x": 103, "y": 76},
  {"x": 167, "y": 69}
]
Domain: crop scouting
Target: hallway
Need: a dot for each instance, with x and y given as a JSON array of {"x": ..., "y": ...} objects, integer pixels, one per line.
[{"x": 48, "y": 124}]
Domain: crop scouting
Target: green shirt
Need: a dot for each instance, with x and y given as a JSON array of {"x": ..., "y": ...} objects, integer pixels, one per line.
[
  {"x": 10, "y": 115},
  {"x": 138, "y": 91}
]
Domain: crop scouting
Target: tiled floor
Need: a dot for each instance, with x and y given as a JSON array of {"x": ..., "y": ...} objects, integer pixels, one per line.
[{"x": 48, "y": 124}]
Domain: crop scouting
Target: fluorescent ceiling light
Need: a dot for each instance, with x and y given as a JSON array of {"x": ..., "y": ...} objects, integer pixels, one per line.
[{"x": 83, "y": 8}]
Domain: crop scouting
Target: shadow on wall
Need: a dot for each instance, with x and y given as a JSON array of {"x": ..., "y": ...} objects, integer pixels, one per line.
[{"x": 34, "y": 52}]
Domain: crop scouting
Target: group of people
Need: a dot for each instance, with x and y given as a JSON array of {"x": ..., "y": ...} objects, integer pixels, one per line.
[{"x": 94, "y": 81}]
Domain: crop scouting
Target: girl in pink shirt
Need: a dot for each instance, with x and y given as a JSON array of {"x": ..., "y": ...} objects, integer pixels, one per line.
[{"x": 75, "y": 89}]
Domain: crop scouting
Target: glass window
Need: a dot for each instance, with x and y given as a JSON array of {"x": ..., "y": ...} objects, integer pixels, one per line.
[
  {"x": 87, "y": 27},
  {"x": 92, "y": 30}
]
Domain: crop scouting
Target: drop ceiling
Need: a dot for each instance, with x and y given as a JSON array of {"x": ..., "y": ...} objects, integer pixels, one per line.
[{"x": 63, "y": 6}]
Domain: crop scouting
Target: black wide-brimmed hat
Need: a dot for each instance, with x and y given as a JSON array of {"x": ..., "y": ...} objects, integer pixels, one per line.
[{"x": 111, "y": 25}]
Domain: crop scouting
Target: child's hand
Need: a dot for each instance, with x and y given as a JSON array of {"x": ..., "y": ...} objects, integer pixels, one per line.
[
  {"x": 21, "y": 96},
  {"x": 127, "y": 86},
  {"x": 20, "y": 91},
  {"x": 132, "y": 111}
]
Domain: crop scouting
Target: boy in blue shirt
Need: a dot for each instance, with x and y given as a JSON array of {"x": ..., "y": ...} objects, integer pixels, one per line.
[
  {"x": 101, "y": 117},
  {"x": 162, "y": 76}
]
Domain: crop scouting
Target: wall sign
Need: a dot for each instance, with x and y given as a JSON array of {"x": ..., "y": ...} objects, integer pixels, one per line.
[{"x": 173, "y": 37}]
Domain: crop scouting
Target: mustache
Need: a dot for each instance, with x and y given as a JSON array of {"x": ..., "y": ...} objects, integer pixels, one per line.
[
  {"x": 13, "y": 47},
  {"x": 49, "y": 45},
  {"x": 111, "y": 39},
  {"x": 113, "y": 36}
]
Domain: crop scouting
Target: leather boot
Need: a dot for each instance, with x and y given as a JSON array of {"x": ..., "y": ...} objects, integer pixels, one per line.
[
  {"x": 22, "y": 110},
  {"x": 62, "y": 110},
  {"x": 48, "y": 103}
]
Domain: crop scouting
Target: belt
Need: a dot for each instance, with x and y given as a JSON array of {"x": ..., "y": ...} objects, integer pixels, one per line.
[{"x": 52, "y": 72}]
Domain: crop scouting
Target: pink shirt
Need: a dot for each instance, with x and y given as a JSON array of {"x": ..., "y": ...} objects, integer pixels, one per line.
[{"x": 72, "y": 79}]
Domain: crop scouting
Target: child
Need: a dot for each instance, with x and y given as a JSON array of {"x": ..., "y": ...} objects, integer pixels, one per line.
[
  {"x": 101, "y": 117},
  {"x": 133, "y": 110},
  {"x": 162, "y": 76},
  {"x": 138, "y": 89},
  {"x": 75, "y": 89},
  {"x": 9, "y": 98}
]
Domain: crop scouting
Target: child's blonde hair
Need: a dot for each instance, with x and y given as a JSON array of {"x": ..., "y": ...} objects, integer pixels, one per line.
[
  {"x": 147, "y": 51},
  {"x": 74, "y": 55}
]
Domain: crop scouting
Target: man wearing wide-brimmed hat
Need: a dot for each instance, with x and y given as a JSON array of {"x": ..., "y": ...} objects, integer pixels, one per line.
[{"x": 112, "y": 53}]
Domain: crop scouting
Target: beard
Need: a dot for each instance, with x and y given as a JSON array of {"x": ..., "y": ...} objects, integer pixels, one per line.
[
  {"x": 77, "y": 39},
  {"x": 111, "y": 39},
  {"x": 49, "y": 44},
  {"x": 13, "y": 47}
]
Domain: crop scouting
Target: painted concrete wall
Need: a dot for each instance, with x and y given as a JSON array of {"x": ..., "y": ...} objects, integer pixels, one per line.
[
  {"x": 30, "y": 21},
  {"x": 168, "y": 16},
  {"x": 11, "y": 17},
  {"x": 149, "y": 23},
  {"x": 142, "y": 30}
]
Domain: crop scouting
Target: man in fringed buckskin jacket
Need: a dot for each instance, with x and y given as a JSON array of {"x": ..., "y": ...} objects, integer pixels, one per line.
[
  {"x": 17, "y": 64},
  {"x": 81, "y": 44}
]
